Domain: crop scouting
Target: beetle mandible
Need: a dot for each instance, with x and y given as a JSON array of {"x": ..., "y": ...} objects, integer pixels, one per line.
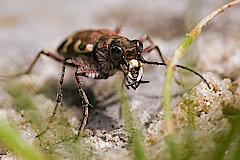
[{"x": 99, "y": 54}]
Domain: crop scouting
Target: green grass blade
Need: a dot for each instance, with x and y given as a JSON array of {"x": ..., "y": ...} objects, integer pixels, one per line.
[
  {"x": 135, "y": 133},
  {"x": 10, "y": 137},
  {"x": 223, "y": 147},
  {"x": 237, "y": 152},
  {"x": 179, "y": 52}
]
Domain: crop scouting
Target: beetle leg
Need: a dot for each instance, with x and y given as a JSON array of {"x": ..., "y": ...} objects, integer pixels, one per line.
[
  {"x": 152, "y": 46},
  {"x": 85, "y": 103},
  {"x": 28, "y": 71},
  {"x": 49, "y": 54},
  {"x": 58, "y": 100},
  {"x": 119, "y": 28}
]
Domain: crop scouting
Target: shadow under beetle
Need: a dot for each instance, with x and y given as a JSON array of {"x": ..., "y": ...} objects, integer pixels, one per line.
[{"x": 99, "y": 54}]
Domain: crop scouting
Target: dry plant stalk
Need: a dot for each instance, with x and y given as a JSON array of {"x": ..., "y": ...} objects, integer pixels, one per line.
[{"x": 180, "y": 51}]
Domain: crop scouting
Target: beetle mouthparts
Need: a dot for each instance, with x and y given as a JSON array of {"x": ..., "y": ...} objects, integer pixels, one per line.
[
  {"x": 135, "y": 84},
  {"x": 133, "y": 71}
]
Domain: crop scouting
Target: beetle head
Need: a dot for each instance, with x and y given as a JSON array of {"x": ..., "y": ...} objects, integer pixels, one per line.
[{"x": 127, "y": 55}]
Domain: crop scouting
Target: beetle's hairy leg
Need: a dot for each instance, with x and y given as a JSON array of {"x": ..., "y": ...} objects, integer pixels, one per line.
[
  {"x": 118, "y": 28},
  {"x": 75, "y": 63},
  {"x": 28, "y": 71},
  {"x": 49, "y": 54},
  {"x": 151, "y": 47},
  {"x": 58, "y": 100},
  {"x": 154, "y": 47},
  {"x": 85, "y": 103},
  {"x": 146, "y": 37}
]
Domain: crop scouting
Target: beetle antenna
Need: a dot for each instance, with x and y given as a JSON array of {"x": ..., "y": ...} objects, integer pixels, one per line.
[
  {"x": 134, "y": 82},
  {"x": 143, "y": 81},
  {"x": 179, "y": 66},
  {"x": 191, "y": 70},
  {"x": 131, "y": 84}
]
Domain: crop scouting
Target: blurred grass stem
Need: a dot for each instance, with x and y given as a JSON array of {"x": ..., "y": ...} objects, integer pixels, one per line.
[{"x": 179, "y": 52}]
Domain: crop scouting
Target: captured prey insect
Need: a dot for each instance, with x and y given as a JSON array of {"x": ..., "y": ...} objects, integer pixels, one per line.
[{"x": 99, "y": 54}]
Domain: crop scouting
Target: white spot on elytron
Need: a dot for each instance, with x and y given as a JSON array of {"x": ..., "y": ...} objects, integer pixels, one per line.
[
  {"x": 69, "y": 41},
  {"x": 76, "y": 46},
  {"x": 89, "y": 47}
]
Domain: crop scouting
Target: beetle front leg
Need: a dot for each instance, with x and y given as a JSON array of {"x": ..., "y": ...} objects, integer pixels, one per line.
[
  {"x": 152, "y": 46},
  {"x": 85, "y": 103},
  {"x": 58, "y": 100}
]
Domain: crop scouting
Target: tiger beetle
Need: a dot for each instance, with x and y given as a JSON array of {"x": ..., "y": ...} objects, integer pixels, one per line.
[{"x": 99, "y": 54}]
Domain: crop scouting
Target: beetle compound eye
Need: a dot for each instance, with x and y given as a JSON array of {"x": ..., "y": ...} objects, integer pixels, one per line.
[
  {"x": 139, "y": 45},
  {"x": 116, "y": 52}
]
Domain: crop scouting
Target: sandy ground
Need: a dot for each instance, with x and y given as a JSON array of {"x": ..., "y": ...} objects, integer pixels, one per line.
[{"x": 26, "y": 27}]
